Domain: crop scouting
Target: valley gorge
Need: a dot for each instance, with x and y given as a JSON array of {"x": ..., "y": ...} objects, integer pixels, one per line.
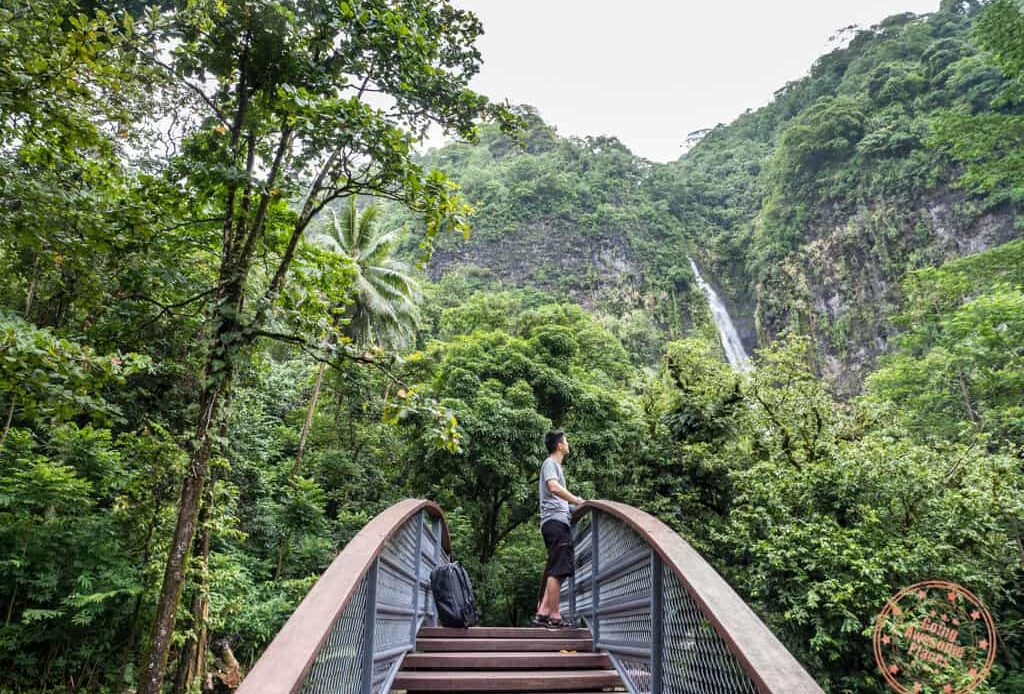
[{"x": 797, "y": 238}]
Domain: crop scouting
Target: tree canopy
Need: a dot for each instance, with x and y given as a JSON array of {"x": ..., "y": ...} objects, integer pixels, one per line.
[{"x": 235, "y": 326}]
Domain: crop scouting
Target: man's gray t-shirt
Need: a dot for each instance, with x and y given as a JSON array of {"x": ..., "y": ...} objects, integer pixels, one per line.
[{"x": 551, "y": 506}]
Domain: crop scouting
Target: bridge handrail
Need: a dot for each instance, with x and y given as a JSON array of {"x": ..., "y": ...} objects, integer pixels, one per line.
[
  {"x": 345, "y": 606},
  {"x": 657, "y": 581}
]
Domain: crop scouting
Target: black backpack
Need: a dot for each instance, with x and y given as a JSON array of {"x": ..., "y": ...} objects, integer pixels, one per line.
[{"x": 453, "y": 595}]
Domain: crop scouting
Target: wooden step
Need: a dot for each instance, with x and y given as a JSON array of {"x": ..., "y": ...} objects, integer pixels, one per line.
[
  {"x": 506, "y": 661},
  {"x": 506, "y": 681},
  {"x": 503, "y": 645},
  {"x": 502, "y": 633}
]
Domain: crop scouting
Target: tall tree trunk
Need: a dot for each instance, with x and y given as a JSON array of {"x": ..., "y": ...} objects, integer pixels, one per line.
[
  {"x": 193, "y": 655},
  {"x": 314, "y": 398},
  {"x": 7, "y": 423},
  {"x": 14, "y": 590},
  {"x": 184, "y": 532},
  {"x": 222, "y": 351},
  {"x": 30, "y": 296},
  {"x": 223, "y": 348},
  {"x": 10, "y": 605},
  {"x": 965, "y": 393},
  {"x": 236, "y": 252}
]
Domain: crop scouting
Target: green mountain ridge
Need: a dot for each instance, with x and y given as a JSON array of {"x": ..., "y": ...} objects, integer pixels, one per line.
[
  {"x": 808, "y": 212},
  {"x": 571, "y": 216}
]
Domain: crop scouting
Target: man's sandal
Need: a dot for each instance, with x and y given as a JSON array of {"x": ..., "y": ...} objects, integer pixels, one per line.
[
  {"x": 557, "y": 624},
  {"x": 540, "y": 620}
]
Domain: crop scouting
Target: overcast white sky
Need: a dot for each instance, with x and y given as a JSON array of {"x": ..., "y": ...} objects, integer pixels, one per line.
[{"x": 650, "y": 71}]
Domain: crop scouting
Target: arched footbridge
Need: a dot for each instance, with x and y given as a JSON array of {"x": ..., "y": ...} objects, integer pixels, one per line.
[{"x": 654, "y": 617}]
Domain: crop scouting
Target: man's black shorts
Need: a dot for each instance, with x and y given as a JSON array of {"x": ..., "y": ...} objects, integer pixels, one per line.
[{"x": 558, "y": 540}]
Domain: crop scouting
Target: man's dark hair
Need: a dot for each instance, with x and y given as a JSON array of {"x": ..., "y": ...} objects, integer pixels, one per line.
[{"x": 553, "y": 438}]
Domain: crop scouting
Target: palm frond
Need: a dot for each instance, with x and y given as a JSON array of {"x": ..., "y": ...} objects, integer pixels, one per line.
[
  {"x": 401, "y": 283},
  {"x": 378, "y": 249},
  {"x": 350, "y": 228},
  {"x": 386, "y": 292},
  {"x": 329, "y": 235},
  {"x": 367, "y": 227}
]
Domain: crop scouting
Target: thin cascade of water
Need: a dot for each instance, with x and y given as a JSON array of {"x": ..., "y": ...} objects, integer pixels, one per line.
[{"x": 734, "y": 352}]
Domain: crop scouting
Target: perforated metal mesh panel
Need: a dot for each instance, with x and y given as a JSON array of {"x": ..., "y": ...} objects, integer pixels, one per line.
[
  {"x": 693, "y": 658},
  {"x": 583, "y": 551},
  {"x": 624, "y": 601},
  {"x": 384, "y": 674},
  {"x": 339, "y": 664},
  {"x": 392, "y": 587},
  {"x": 431, "y": 555},
  {"x": 390, "y": 632},
  {"x": 402, "y": 545},
  {"x": 394, "y": 628},
  {"x": 616, "y": 539},
  {"x": 635, "y": 671},
  {"x": 696, "y": 658},
  {"x": 350, "y": 660}
]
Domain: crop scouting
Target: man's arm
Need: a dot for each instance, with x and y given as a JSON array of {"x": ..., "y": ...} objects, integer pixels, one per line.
[{"x": 558, "y": 490}]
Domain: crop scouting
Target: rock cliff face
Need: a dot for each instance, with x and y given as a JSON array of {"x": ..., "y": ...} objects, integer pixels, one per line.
[
  {"x": 590, "y": 269},
  {"x": 844, "y": 285},
  {"x": 841, "y": 284},
  {"x": 574, "y": 217},
  {"x": 810, "y": 211},
  {"x": 956, "y": 236}
]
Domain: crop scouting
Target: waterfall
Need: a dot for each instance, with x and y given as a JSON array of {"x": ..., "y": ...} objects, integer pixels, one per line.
[{"x": 734, "y": 352}]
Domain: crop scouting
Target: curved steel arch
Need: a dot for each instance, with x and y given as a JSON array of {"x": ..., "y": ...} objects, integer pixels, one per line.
[
  {"x": 346, "y": 631},
  {"x": 636, "y": 575}
]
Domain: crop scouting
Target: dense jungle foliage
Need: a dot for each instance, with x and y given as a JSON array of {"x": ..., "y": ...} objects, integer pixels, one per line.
[
  {"x": 896, "y": 152},
  {"x": 219, "y": 359}
]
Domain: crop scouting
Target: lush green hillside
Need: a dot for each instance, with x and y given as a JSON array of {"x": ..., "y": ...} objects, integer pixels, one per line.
[
  {"x": 574, "y": 218},
  {"x": 808, "y": 212},
  {"x": 215, "y": 368},
  {"x": 812, "y": 209}
]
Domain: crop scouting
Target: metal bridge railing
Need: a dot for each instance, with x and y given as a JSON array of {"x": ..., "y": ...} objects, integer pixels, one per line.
[
  {"x": 350, "y": 633},
  {"x": 669, "y": 622}
]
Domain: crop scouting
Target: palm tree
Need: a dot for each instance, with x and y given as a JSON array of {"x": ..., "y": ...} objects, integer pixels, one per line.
[
  {"x": 384, "y": 308},
  {"x": 384, "y": 311}
]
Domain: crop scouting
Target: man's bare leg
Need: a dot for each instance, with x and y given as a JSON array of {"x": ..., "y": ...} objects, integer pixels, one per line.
[
  {"x": 550, "y": 606},
  {"x": 542, "y": 594}
]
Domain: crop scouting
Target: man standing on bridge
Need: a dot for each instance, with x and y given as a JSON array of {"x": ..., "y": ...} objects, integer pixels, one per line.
[{"x": 555, "y": 527}]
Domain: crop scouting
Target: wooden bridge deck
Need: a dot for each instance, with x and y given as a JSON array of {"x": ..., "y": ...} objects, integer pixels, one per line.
[{"x": 506, "y": 659}]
